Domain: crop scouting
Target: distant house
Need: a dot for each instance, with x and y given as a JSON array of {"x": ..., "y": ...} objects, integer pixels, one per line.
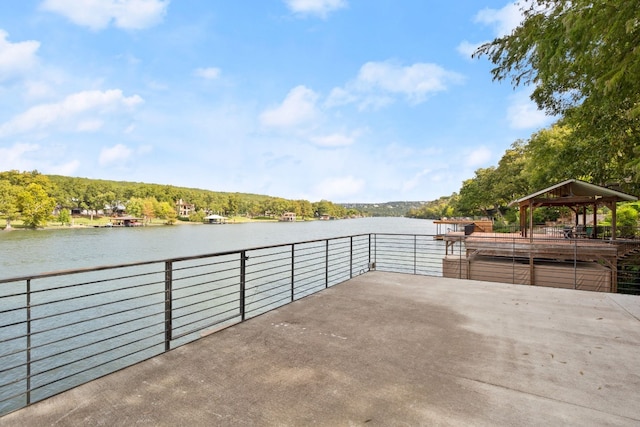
[
  {"x": 184, "y": 209},
  {"x": 288, "y": 217},
  {"x": 117, "y": 209}
]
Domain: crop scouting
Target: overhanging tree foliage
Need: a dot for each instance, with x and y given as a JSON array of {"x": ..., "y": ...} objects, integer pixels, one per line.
[{"x": 583, "y": 57}]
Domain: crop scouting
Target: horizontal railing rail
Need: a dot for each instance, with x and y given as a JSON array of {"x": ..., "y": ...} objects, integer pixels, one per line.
[
  {"x": 62, "y": 329},
  {"x": 603, "y": 232}
]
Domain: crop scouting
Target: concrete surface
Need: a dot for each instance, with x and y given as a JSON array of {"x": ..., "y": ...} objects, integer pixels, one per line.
[{"x": 387, "y": 349}]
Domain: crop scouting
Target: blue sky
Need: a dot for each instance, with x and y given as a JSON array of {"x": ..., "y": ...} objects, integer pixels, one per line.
[{"x": 344, "y": 100}]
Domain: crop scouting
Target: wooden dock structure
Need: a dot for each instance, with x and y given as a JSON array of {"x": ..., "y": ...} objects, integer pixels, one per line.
[
  {"x": 538, "y": 259},
  {"x": 443, "y": 226}
]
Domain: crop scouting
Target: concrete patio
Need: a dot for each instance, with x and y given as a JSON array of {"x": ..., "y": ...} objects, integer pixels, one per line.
[{"x": 387, "y": 349}]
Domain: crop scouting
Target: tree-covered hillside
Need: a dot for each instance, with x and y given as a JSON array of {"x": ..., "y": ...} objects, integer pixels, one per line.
[
  {"x": 385, "y": 209},
  {"x": 34, "y": 198}
]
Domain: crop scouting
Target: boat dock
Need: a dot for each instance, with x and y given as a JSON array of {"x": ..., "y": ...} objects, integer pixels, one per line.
[
  {"x": 444, "y": 226},
  {"x": 386, "y": 349}
]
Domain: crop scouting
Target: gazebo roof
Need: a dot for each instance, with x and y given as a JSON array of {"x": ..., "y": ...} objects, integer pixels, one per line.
[{"x": 574, "y": 192}]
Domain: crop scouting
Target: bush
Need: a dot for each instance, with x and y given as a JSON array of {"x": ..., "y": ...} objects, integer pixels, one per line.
[{"x": 626, "y": 220}]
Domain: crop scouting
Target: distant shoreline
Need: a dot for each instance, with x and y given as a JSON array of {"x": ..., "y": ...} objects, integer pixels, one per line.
[{"x": 102, "y": 224}]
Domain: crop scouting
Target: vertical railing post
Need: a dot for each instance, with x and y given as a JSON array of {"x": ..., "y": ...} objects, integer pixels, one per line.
[
  {"x": 375, "y": 250},
  {"x": 415, "y": 254},
  {"x": 351, "y": 257},
  {"x": 168, "y": 304},
  {"x": 369, "y": 260},
  {"x": 513, "y": 260},
  {"x": 575, "y": 264},
  {"x": 293, "y": 285},
  {"x": 459, "y": 257},
  {"x": 28, "y": 341},
  {"x": 243, "y": 271},
  {"x": 326, "y": 264}
]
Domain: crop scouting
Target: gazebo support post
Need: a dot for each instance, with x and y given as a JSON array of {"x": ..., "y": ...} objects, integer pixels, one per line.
[
  {"x": 531, "y": 220},
  {"x": 614, "y": 228},
  {"x": 594, "y": 233},
  {"x": 523, "y": 220}
]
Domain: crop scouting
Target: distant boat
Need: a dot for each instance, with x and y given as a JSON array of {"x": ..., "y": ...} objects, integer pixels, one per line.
[
  {"x": 215, "y": 219},
  {"x": 122, "y": 221},
  {"x": 127, "y": 221}
]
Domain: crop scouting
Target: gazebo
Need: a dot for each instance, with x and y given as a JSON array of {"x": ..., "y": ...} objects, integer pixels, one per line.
[{"x": 574, "y": 194}]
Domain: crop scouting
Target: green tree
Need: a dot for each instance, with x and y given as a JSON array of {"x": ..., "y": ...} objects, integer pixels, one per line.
[
  {"x": 551, "y": 158},
  {"x": 149, "y": 209},
  {"x": 582, "y": 57},
  {"x": 135, "y": 207},
  {"x": 323, "y": 207},
  {"x": 233, "y": 204},
  {"x": 64, "y": 217},
  {"x": 8, "y": 202},
  {"x": 35, "y": 205},
  {"x": 511, "y": 180},
  {"x": 164, "y": 210},
  {"x": 477, "y": 194},
  {"x": 626, "y": 220},
  {"x": 197, "y": 216}
]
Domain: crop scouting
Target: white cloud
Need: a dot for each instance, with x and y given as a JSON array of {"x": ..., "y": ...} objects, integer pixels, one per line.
[
  {"x": 66, "y": 169},
  {"x": 503, "y": 21},
  {"x": 16, "y": 58},
  {"x": 145, "y": 149},
  {"x": 299, "y": 107},
  {"x": 466, "y": 49},
  {"x": 338, "y": 188},
  {"x": 315, "y": 7},
  {"x": 72, "y": 110},
  {"x": 90, "y": 125},
  {"x": 38, "y": 90},
  {"x": 23, "y": 156},
  {"x": 98, "y": 14},
  {"x": 523, "y": 113},
  {"x": 335, "y": 139},
  {"x": 415, "y": 180},
  {"x": 210, "y": 73},
  {"x": 13, "y": 157},
  {"x": 478, "y": 157},
  {"x": 378, "y": 83},
  {"x": 117, "y": 153}
]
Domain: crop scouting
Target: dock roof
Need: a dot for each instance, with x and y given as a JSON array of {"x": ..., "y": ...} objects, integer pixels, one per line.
[{"x": 574, "y": 192}]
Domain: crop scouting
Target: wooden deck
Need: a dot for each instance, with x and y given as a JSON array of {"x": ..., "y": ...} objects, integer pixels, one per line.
[
  {"x": 491, "y": 250},
  {"x": 540, "y": 246},
  {"x": 445, "y": 226}
]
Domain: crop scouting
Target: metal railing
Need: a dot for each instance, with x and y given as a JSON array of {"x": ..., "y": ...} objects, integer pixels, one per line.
[
  {"x": 62, "y": 329},
  {"x": 546, "y": 259},
  {"x": 603, "y": 232}
]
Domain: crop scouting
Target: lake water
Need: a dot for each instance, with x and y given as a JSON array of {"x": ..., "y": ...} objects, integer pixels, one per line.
[{"x": 28, "y": 252}]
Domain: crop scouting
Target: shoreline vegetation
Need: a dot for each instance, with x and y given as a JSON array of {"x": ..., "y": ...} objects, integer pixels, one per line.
[
  {"x": 102, "y": 222},
  {"x": 36, "y": 201}
]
